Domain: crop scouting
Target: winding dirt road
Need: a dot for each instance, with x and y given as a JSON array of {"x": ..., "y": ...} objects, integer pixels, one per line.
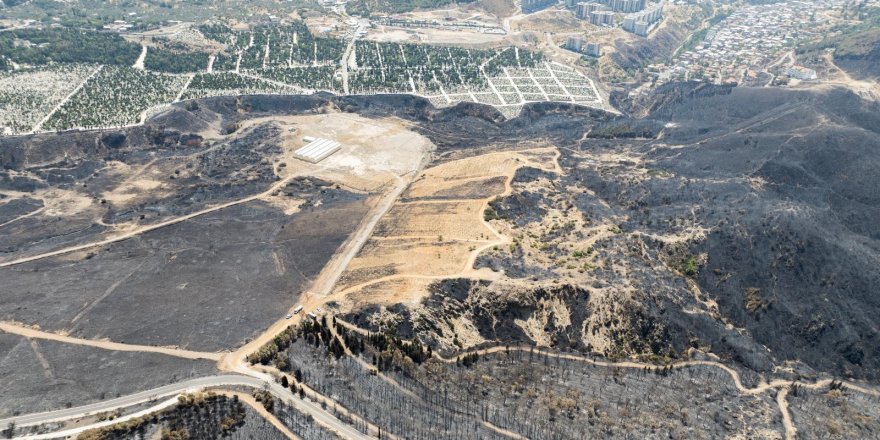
[{"x": 784, "y": 386}]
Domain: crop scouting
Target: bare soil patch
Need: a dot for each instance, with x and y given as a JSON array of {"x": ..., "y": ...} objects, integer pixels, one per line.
[{"x": 427, "y": 240}]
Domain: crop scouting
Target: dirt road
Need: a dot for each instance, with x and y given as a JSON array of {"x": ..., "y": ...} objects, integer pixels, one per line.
[
  {"x": 784, "y": 386},
  {"x": 261, "y": 410},
  {"x": 106, "y": 345},
  {"x": 316, "y": 296},
  {"x": 144, "y": 229}
]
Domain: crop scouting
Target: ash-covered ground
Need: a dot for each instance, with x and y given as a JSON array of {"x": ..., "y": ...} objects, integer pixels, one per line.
[
  {"x": 734, "y": 222},
  {"x": 207, "y": 283},
  {"x": 48, "y": 375}
]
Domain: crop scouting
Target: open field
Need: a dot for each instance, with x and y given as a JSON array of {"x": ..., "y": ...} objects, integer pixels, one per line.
[
  {"x": 184, "y": 174},
  {"x": 126, "y": 183},
  {"x": 387, "y": 34},
  {"x": 433, "y": 239},
  {"x": 373, "y": 151},
  {"x": 476, "y": 188},
  {"x": 206, "y": 284},
  {"x": 440, "y": 220}
]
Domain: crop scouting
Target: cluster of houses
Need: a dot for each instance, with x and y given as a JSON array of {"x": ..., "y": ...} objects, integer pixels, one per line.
[{"x": 751, "y": 39}]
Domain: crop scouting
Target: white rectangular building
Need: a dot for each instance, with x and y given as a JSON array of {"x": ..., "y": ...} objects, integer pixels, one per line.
[{"x": 317, "y": 150}]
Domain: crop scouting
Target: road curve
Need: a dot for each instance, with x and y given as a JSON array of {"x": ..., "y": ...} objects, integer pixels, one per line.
[
  {"x": 132, "y": 399},
  {"x": 305, "y": 406},
  {"x": 73, "y": 432}
]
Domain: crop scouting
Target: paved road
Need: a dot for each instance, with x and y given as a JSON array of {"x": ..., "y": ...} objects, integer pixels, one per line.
[
  {"x": 193, "y": 385},
  {"x": 74, "y": 432},
  {"x": 132, "y": 399}
]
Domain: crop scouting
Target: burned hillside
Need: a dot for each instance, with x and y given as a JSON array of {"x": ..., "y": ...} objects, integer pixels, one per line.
[{"x": 753, "y": 207}]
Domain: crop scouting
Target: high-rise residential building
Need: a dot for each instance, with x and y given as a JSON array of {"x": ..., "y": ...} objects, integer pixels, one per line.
[
  {"x": 585, "y": 8},
  {"x": 575, "y": 43},
  {"x": 602, "y": 18},
  {"x": 640, "y": 23},
  {"x": 627, "y": 5}
]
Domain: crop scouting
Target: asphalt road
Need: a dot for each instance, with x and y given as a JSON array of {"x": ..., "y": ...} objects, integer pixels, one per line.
[{"x": 193, "y": 385}]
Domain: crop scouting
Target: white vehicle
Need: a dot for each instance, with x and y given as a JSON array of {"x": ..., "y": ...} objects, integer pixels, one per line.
[
  {"x": 288, "y": 316},
  {"x": 313, "y": 316},
  {"x": 298, "y": 309}
]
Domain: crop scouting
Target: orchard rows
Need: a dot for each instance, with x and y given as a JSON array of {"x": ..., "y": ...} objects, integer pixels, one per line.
[
  {"x": 27, "y": 97},
  {"x": 278, "y": 60}
]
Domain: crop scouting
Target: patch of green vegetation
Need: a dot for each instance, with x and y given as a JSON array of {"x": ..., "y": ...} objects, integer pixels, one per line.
[
  {"x": 582, "y": 253},
  {"x": 689, "y": 266},
  {"x": 265, "y": 397},
  {"x": 175, "y": 58},
  {"x": 490, "y": 214},
  {"x": 586, "y": 267},
  {"x": 58, "y": 45},
  {"x": 271, "y": 352},
  {"x": 150, "y": 13},
  {"x": 697, "y": 37},
  {"x": 659, "y": 173},
  {"x": 692, "y": 41},
  {"x": 365, "y": 8},
  {"x": 214, "y": 416}
]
